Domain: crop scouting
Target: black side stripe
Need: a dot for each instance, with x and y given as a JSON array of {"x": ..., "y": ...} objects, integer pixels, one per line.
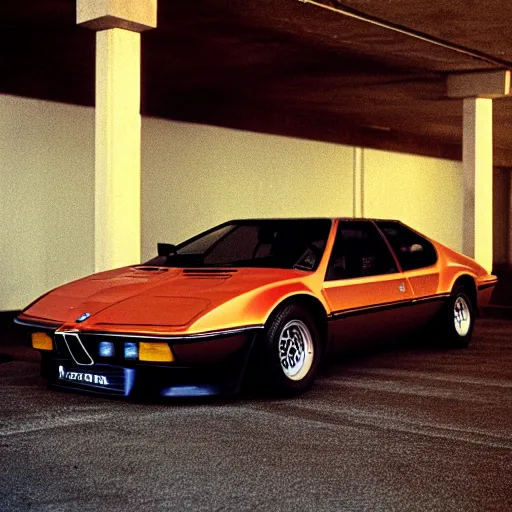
[{"x": 386, "y": 306}]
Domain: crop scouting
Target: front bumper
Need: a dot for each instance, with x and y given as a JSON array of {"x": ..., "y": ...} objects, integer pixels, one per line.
[
  {"x": 204, "y": 365},
  {"x": 152, "y": 379}
]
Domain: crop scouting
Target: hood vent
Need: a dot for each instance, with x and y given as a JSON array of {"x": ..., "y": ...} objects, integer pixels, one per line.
[
  {"x": 154, "y": 270},
  {"x": 209, "y": 273}
]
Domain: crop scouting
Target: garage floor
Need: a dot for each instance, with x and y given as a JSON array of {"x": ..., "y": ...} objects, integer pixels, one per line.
[{"x": 406, "y": 429}]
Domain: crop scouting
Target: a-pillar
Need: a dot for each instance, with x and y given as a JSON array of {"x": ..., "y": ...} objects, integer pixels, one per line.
[
  {"x": 118, "y": 24},
  {"x": 477, "y": 91}
]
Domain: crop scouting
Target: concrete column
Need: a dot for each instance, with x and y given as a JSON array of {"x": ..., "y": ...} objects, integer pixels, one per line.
[
  {"x": 477, "y": 91},
  {"x": 117, "y": 141},
  {"x": 358, "y": 184},
  {"x": 477, "y": 169},
  {"x": 117, "y": 160}
]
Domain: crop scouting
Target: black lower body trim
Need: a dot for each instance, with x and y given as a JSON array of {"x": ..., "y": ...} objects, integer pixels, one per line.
[
  {"x": 487, "y": 285},
  {"x": 220, "y": 377},
  {"x": 370, "y": 327}
]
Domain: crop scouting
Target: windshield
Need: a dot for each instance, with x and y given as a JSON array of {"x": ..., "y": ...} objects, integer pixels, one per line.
[{"x": 267, "y": 243}]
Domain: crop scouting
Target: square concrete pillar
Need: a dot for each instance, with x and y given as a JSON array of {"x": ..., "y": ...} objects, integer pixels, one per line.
[
  {"x": 134, "y": 15},
  {"x": 118, "y": 124},
  {"x": 477, "y": 91},
  {"x": 477, "y": 168},
  {"x": 118, "y": 139}
]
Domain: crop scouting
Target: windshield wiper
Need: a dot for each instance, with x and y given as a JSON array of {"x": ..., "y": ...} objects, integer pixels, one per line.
[{"x": 300, "y": 266}]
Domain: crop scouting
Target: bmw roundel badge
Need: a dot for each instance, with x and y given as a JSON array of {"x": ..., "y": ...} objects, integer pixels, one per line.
[{"x": 84, "y": 317}]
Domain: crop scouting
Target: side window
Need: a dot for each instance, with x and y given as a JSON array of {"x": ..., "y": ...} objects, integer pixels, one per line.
[
  {"x": 412, "y": 250},
  {"x": 359, "y": 250}
]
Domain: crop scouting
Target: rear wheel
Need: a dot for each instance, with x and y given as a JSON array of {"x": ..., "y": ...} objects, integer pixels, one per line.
[
  {"x": 458, "y": 319},
  {"x": 291, "y": 351}
]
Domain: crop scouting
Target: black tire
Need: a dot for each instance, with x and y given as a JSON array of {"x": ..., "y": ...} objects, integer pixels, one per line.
[
  {"x": 291, "y": 351},
  {"x": 458, "y": 319}
]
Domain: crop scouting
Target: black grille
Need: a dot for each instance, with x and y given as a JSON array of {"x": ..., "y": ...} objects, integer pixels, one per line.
[
  {"x": 90, "y": 342},
  {"x": 70, "y": 344}
]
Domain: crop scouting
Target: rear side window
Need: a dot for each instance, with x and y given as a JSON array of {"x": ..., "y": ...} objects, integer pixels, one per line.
[
  {"x": 412, "y": 250},
  {"x": 359, "y": 251}
]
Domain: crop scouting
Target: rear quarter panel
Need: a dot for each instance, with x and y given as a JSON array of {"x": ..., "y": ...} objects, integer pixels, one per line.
[{"x": 455, "y": 265}]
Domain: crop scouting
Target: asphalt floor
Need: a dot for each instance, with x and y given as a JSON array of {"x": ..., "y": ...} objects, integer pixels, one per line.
[{"x": 413, "y": 428}]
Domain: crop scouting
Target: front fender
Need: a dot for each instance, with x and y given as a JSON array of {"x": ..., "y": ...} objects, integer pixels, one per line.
[{"x": 252, "y": 308}]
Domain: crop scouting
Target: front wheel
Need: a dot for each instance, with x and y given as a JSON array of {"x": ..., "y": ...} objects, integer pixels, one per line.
[{"x": 291, "y": 351}]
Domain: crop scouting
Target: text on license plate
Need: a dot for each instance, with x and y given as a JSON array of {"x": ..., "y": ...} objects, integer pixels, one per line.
[{"x": 90, "y": 378}]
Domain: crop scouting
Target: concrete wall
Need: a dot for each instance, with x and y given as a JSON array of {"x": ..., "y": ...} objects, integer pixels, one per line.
[
  {"x": 425, "y": 193},
  {"x": 46, "y": 197},
  {"x": 195, "y": 177},
  {"x": 192, "y": 177}
]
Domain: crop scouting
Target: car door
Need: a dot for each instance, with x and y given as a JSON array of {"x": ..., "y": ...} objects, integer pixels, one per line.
[
  {"x": 417, "y": 258},
  {"x": 363, "y": 286}
]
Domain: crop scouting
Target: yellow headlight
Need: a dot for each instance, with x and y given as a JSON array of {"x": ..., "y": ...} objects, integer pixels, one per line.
[
  {"x": 41, "y": 341},
  {"x": 157, "y": 352}
]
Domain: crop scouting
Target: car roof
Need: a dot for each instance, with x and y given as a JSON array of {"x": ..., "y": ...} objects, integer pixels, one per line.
[{"x": 258, "y": 219}]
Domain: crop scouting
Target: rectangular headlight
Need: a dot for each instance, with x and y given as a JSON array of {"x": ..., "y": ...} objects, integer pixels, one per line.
[
  {"x": 42, "y": 341},
  {"x": 130, "y": 350},
  {"x": 106, "y": 349},
  {"x": 157, "y": 352}
]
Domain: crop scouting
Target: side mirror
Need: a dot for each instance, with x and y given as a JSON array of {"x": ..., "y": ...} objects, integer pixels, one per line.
[{"x": 166, "y": 249}]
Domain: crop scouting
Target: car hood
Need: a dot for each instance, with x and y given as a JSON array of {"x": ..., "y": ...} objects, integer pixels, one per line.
[{"x": 152, "y": 299}]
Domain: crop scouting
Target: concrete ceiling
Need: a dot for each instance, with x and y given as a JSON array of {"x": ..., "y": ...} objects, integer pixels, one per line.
[{"x": 284, "y": 66}]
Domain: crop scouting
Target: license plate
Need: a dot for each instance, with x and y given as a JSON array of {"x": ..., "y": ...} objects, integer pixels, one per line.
[{"x": 79, "y": 377}]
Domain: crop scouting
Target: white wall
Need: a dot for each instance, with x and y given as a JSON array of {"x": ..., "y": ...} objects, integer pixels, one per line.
[
  {"x": 46, "y": 197},
  {"x": 425, "y": 193},
  {"x": 192, "y": 178}
]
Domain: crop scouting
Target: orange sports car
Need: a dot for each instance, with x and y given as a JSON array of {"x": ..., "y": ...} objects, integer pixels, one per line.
[{"x": 269, "y": 297}]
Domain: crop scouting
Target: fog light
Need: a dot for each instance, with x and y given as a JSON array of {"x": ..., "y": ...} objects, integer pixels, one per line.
[
  {"x": 159, "y": 352},
  {"x": 106, "y": 349},
  {"x": 42, "y": 341},
  {"x": 184, "y": 391},
  {"x": 130, "y": 350}
]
